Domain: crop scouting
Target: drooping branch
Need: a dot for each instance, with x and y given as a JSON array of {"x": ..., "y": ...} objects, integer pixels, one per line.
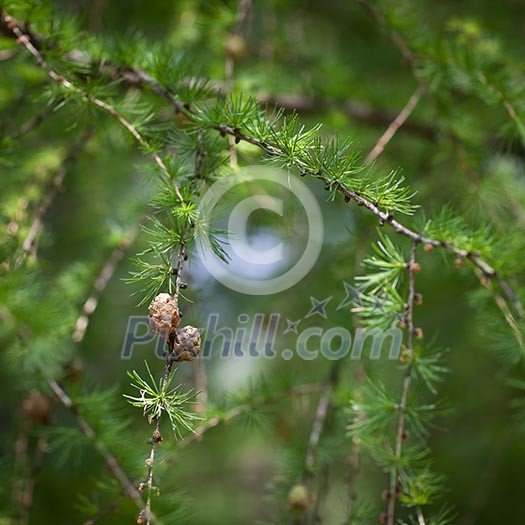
[
  {"x": 36, "y": 407},
  {"x": 179, "y": 258},
  {"x": 156, "y": 439},
  {"x": 233, "y": 413},
  {"x": 26, "y": 40},
  {"x": 318, "y": 426},
  {"x": 101, "y": 282},
  {"x": 407, "y": 379},
  {"x": 384, "y": 217},
  {"x": 350, "y": 195},
  {"x": 27, "y": 496},
  {"x": 29, "y": 246}
]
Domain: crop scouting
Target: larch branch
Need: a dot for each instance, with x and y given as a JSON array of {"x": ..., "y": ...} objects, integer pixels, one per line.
[
  {"x": 394, "y": 126},
  {"x": 407, "y": 379},
  {"x": 111, "y": 461},
  {"x": 271, "y": 149}
]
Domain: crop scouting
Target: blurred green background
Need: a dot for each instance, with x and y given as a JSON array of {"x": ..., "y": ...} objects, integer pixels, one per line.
[{"x": 336, "y": 55}]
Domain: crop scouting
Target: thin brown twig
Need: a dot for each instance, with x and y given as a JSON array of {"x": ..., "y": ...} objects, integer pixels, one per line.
[
  {"x": 8, "y": 54},
  {"x": 319, "y": 420},
  {"x": 199, "y": 370},
  {"x": 27, "y": 501},
  {"x": 21, "y": 464},
  {"x": 509, "y": 108},
  {"x": 505, "y": 310},
  {"x": 29, "y": 246},
  {"x": 318, "y": 426},
  {"x": 410, "y": 57},
  {"x": 156, "y": 437},
  {"x": 104, "y": 276},
  {"x": 212, "y": 423},
  {"x": 234, "y": 412},
  {"x": 396, "y": 38},
  {"x": 155, "y": 440},
  {"x": 420, "y": 516},
  {"x": 396, "y": 124},
  {"x": 111, "y": 461},
  {"x": 25, "y": 39},
  {"x": 407, "y": 378},
  {"x": 178, "y": 265}
]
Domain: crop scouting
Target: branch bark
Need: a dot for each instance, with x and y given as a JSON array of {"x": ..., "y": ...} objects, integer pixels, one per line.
[
  {"x": 29, "y": 246},
  {"x": 101, "y": 282},
  {"x": 385, "y": 218},
  {"x": 407, "y": 379},
  {"x": 111, "y": 461},
  {"x": 395, "y": 125}
]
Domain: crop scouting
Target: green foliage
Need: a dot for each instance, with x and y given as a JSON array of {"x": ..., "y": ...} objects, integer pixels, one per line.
[
  {"x": 139, "y": 123},
  {"x": 157, "y": 398},
  {"x": 380, "y": 303}
]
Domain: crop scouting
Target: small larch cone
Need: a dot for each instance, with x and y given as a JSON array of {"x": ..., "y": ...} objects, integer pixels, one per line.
[
  {"x": 163, "y": 315},
  {"x": 188, "y": 343}
]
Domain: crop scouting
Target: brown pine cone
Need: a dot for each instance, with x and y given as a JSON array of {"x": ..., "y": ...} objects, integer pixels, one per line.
[
  {"x": 163, "y": 315},
  {"x": 187, "y": 344}
]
